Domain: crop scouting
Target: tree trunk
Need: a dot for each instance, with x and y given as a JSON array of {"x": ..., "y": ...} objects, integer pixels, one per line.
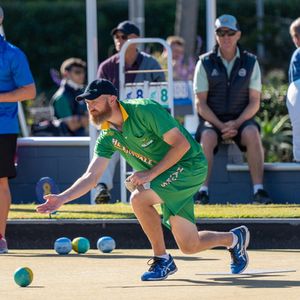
[{"x": 186, "y": 24}]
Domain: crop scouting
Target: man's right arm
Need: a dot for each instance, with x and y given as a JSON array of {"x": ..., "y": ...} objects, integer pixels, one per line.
[
  {"x": 80, "y": 187},
  {"x": 205, "y": 112},
  {"x": 201, "y": 88}
]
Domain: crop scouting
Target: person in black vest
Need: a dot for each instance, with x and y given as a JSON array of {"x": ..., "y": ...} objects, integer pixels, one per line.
[{"x": 227, "y": 85}]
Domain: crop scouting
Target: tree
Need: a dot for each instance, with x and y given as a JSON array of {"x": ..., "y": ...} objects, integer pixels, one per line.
[{"x": 186, "y": 24}]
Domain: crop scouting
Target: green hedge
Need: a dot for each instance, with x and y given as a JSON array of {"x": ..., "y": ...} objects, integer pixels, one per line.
[{"x": 51, "y": 31}]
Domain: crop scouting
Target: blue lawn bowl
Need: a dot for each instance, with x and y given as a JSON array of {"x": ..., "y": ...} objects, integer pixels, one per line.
[
  {"x": 106, "y": 244},
  {"x": 63, "y": 246},
  {"x": 45, "y": 186}
]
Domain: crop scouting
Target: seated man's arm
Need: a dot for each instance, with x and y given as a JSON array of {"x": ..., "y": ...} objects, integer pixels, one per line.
[
  {"x": 251, "y": 109},
  {"x": 201, "y": 88},
  {"x": 204, "y": 110},
  {"x": 248, "y": 113}
]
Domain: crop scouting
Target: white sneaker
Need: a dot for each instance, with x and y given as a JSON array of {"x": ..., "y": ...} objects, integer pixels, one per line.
[{"x": 3, "y": 246}]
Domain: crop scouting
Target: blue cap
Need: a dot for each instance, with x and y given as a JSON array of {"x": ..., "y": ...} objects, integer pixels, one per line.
[
  {"x": 228, "y": 21},
  {"x": 97, "y": 88}
]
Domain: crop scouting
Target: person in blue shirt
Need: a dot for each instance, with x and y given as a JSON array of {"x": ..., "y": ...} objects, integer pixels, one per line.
[
  {"x": 16, "y": 84},
  {"x": 293, "y": 95}
]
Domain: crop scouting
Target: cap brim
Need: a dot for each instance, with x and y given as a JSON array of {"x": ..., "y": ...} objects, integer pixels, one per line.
[
  {"x": 87, "y": 95},
  {"x": 113, "y": 32},
  {"x": 227, "y": 26}
]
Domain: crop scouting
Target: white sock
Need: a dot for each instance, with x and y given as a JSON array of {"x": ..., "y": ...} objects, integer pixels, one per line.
[
  {"x": 257, "y": 187},
  {"x": 204, "y": 188},
  {"x": 234, "y": 241},
  {"x": 164, "y": 256}
]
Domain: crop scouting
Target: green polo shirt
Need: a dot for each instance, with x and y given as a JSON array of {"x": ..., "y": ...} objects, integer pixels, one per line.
[
  {"x": 141, "y": 144},
  {"x": 141, "y": 141}
]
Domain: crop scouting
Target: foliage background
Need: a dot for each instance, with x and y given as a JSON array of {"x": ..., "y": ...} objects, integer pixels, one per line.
[{"x": 49, "y": 31}]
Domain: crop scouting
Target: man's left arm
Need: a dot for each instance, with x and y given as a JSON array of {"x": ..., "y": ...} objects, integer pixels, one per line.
[
  {"x": 179, "y": 146},
  {"x": 252, "y": 108}
]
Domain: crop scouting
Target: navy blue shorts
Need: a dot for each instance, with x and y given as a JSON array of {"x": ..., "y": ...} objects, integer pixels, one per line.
[
  {"x": 204, "y": 125},
  {"x": 8, "y": 146}
]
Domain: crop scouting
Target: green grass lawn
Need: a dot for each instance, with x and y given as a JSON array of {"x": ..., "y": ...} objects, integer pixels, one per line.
[{"x": 124, "y": 211}]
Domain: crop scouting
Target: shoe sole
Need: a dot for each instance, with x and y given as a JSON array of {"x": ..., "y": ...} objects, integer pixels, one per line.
[
  {"x": 162, "y": 278},
  {"x": 246, "y": 246},
  {"x": 4, "y": 251}
]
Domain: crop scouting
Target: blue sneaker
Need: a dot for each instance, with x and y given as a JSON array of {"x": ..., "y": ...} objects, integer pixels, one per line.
[
  {"x": 160, "y": 269},
  {"x": 239, "y": 256}
]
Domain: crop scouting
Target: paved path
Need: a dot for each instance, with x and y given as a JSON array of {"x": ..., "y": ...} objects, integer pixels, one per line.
[{"x": 270, "y": 275}]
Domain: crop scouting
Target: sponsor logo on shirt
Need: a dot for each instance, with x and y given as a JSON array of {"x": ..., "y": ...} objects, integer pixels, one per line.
[
  {"x": 147, "y": 143},
  {"x": 139, "y": 156},
  {"x": 173, "y": 177}
]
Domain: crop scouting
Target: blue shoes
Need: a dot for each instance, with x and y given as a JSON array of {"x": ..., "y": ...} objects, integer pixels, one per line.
[
  {"x": 239, "y": 256},
  {"x": 160, "y": 269}
]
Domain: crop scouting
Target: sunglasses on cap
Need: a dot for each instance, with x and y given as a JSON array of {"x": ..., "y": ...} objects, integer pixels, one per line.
[{"x": 221, "y": 32}]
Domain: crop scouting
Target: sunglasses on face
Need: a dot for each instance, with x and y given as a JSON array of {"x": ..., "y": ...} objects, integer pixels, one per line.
[
  {"x": 221, "y": 32},
  {"x": 120, "y": 36}
]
